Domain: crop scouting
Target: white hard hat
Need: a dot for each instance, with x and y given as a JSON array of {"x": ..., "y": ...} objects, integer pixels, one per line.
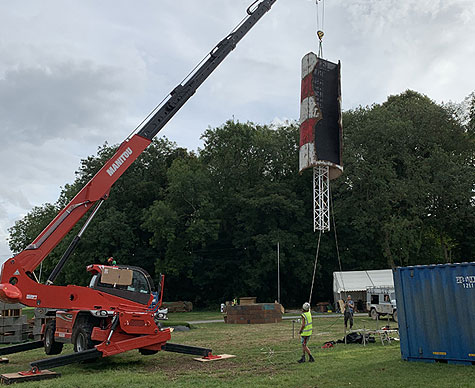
[{"x": 306, "y": 306}]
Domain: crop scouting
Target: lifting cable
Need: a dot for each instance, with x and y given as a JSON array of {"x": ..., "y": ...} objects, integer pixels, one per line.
[
  {"x": 332, "y": 212},
  {"x": 315, "y": 268},
  {"x": 320, "y": 23},
  {"x": 320, "y": 26},
  {"x": 320, "y": 54},
  {"x": 336, "y": 238}
]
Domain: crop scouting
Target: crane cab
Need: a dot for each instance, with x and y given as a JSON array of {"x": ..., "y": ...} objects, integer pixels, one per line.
[
  {"x": 77, "y": 326},
  {"x": 128, "y": 282}
]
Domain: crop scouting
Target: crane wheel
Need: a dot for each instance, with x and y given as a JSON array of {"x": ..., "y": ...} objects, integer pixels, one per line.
[
  {"x": 395, "y": 315},
  {"x": 51, "y": 346},
  {"x": 374, "y": 314},
  {"x": 82, "y": 338}
]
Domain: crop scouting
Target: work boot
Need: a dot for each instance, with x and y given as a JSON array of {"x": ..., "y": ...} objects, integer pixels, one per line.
[
  {"x": 301, "y": 360},
  {"x": 311, "y": 359}
]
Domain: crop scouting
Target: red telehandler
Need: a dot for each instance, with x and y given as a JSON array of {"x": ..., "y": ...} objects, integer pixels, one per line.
[{"x": 112, "y": 315}]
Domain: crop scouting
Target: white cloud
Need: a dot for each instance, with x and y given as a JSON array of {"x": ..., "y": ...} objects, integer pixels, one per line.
[
  {"x": 75, "y": 74},
  {"x": 67, "y": 100}
]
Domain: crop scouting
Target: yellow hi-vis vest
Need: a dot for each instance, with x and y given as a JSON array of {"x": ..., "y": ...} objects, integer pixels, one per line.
[{"x": 307, "y": 330}]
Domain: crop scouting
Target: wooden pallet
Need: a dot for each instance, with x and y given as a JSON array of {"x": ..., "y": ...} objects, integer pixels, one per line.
[
  {"x": 10, "y": 313},
  {"x": 221, "y": 357},
  {"x": 11, "y": 378}
]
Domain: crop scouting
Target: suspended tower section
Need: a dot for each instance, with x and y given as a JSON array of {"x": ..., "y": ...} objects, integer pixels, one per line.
[{"x": 320, "y": 131}]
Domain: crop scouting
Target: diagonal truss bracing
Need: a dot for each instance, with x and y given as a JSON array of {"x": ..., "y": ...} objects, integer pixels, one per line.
[{"x": 321, "y": 198}]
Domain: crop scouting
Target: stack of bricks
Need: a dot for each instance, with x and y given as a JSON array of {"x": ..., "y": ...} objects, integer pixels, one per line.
[
  {"x": 245, "y": 300},
  {"x": 42, "y": 316},
  {"x": 178, "y": 307},
  {"x": 254, "y": 313},
  {"x": 13, "y": 325}
]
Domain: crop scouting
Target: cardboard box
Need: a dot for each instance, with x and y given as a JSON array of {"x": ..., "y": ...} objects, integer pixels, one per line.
[{"x": 117, "y": 276}]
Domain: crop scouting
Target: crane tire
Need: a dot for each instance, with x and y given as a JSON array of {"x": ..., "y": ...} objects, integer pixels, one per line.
[
  {"x": 51, "y": 346},
  {"x": 82, "y": 338}
]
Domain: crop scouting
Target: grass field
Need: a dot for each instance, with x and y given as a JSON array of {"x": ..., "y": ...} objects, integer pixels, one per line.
[{"x": 266, "y": 357}]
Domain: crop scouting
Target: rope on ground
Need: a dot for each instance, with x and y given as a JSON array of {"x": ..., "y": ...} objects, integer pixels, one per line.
[{"x": 335, "y": 321}]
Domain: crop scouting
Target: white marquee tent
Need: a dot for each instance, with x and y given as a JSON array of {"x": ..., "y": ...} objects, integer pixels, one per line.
[{"x": 356, "y": 282}]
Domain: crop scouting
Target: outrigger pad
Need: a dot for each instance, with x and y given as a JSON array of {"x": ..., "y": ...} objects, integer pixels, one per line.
[
  {"x": 186, "y": 349},
  {"x": 214, "y": 358},
  {"x": 21, "y": 347},
  {"x": 19, "y": 377}
]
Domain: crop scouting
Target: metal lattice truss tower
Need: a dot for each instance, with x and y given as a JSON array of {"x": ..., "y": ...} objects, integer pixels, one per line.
[{"x": 321, "y": 198}]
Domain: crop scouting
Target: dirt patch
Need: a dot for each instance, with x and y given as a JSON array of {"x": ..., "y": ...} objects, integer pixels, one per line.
[{"x": 174, "y": 368}]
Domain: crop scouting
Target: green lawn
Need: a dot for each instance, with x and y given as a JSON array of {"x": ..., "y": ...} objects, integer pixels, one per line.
[
  {"x": 266, "y": 357},
  {"x": 28, "y": 311},
  {"x": 195, "y": 316}
]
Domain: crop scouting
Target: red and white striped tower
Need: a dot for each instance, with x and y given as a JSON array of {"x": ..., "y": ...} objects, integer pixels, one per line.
[{"x": 320, "y": 131}]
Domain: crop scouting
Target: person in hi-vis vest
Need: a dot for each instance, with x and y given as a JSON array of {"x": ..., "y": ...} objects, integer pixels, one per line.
[{"x": 306, "y": 332}]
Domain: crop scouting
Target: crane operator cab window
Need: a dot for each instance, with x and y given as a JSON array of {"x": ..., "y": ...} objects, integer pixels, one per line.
[
  {"x": 128, "y": 283},
  {"x": 139, "y": 283}
]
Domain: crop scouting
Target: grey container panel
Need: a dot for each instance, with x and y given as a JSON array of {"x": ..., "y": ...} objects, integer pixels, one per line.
[{"x": 436, "y": 312}]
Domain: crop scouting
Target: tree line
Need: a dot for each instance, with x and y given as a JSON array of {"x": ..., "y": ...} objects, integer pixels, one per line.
[{"x": 210, "y": 219}]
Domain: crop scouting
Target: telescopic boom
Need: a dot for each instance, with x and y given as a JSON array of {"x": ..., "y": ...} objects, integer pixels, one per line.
[{"x": 18, "y": 283}]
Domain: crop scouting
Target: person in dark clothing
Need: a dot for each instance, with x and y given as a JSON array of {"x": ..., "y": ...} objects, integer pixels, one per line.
[{"x": 349, "y": 310}]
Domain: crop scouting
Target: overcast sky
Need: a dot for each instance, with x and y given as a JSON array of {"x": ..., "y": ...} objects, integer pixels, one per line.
[{"x": 74, "y": 74}]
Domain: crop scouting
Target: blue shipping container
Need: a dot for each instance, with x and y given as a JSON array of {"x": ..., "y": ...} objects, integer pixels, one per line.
[{"x": 436, "y": 312}]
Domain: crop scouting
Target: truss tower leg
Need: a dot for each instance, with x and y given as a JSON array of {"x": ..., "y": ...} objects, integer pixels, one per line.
[{"x": 321, "y": 198}]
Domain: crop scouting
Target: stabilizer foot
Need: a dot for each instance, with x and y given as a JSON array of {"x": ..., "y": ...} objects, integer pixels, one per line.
[
  {"x": 212, "y": 357},
  {"x": 33, "y": 375}
]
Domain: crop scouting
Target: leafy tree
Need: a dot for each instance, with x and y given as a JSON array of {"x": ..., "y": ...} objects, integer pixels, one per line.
[
  {"x": 408, "y": 179},
  {"x": 115, "y": 231},
  {"x": 25, "y": 230},
  {"x": 225, "y": 211},
  {"x": 211, "y": 220}
]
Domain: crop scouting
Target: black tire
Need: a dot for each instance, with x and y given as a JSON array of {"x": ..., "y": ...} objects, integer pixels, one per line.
[
  {"x": 395, "y": 315},
  {"x": 51, "y": 346},
  {"x": 374, "y": 314},
  {"x": 82, "y": 338}
]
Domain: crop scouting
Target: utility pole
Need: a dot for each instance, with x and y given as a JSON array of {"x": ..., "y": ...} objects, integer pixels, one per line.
[{"x": 278, "y": 272}]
